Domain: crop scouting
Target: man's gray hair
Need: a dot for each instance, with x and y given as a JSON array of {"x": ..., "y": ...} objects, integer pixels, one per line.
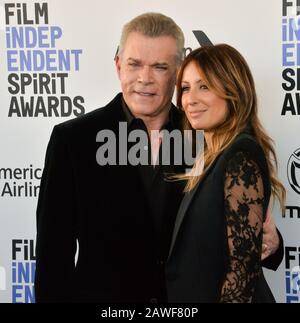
[{"x": 153, "y": 25}]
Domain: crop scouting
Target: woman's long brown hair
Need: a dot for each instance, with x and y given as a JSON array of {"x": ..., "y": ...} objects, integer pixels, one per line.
[{"x": 228, "y": 75}]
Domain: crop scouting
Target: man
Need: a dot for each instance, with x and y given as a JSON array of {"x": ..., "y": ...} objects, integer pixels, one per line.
[{"x": 122, "y": 216}]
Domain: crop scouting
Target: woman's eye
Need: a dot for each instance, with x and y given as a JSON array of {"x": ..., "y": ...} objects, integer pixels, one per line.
[
  {"x": 184, "y": 88},
  {"x": 203, "y": 87}
]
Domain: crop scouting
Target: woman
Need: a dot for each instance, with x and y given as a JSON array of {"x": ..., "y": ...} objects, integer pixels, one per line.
[{"x": 215, "y": 254}]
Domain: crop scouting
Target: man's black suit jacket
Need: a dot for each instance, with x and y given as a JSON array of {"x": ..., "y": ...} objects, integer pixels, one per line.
[{"x": 105, "y": 209}]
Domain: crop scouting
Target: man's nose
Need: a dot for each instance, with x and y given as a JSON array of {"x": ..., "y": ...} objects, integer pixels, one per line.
[{"x": 145, "y": 75}]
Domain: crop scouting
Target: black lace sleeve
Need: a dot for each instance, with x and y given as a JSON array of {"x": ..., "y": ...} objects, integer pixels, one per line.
[{"x": 244, "y": 197}]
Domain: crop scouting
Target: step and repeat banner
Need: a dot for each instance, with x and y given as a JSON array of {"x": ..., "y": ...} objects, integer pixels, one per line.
[{"x": 57, "y": 63}]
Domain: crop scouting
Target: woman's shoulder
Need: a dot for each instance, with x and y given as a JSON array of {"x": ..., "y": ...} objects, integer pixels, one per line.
[
  {"x": 245, "y": 150},
  {"x": 244, "y": 144}
]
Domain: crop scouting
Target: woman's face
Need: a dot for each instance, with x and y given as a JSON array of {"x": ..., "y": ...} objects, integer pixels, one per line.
[{"x": 204, "y": 109}]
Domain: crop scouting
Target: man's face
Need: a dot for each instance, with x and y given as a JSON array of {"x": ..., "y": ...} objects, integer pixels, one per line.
[{"x": 147, "y": 71}]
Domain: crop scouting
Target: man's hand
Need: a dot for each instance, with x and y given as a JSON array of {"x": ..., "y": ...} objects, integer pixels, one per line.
[{"x": 270, "y": 236}]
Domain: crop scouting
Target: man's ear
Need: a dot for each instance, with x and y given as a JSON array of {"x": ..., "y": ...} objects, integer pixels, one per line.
[{"x": 118, "y": 65}]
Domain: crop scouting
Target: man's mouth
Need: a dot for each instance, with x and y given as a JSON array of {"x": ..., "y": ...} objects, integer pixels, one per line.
[{"x": 142, "y": 93}]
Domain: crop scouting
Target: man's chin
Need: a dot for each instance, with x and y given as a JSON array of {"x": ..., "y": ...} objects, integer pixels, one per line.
[{"x": 144, "y": 109}]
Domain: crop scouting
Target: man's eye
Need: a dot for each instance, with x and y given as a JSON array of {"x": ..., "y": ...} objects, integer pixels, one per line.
[
  {"x": 133, "y": 64},
  {"x": 162, "y": 68}
]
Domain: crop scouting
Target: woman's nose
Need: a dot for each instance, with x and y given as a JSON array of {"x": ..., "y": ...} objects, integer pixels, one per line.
[{"x": 193, "y": 98}]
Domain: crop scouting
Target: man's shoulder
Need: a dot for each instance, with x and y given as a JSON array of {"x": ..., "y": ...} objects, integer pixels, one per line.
[{"x": 103, "y": 117}]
